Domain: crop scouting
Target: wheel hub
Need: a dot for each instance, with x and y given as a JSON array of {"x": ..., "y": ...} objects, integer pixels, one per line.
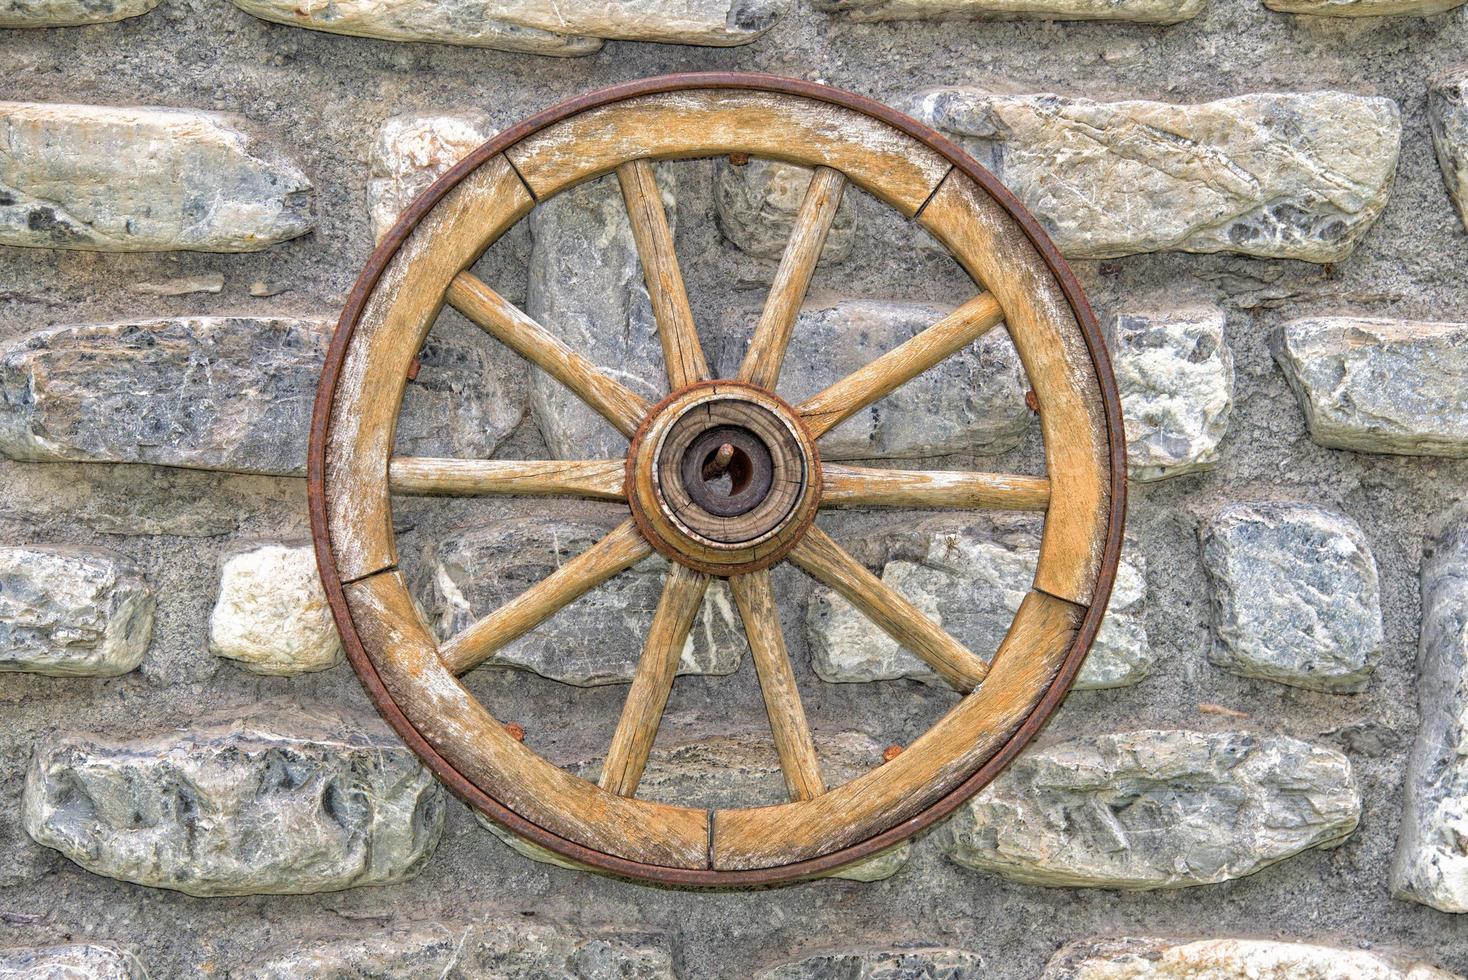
[{"x": 723, "y": 478}]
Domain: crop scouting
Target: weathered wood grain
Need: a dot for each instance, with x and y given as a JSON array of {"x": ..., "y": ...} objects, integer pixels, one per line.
[
  {"x": 596, "y": 479},
  {"x": 860, "y": 486}
]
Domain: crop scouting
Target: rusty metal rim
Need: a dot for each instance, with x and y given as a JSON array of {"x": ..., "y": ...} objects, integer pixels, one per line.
[{"x": 461, "y": 785}]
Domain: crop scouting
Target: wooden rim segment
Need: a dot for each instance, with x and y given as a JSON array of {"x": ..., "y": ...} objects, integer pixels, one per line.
[{"x": 423, "y": 263}]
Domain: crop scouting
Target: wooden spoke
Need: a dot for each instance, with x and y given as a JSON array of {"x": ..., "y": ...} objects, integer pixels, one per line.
[
  {"x": 772, "y": 334},
  {"x": 830, "y": 564},
  {"x": 648, "y": 696},
  {"x": 681, "y": 350},
  {"x": 756, "y": 602},
  {"x": 859, "y": 486},
  {"x": 597, "y": 479},
  {"x": 622, "y": 407},
  {"x": 619, "y": 550},
  {"x": 829, "y": 408}
]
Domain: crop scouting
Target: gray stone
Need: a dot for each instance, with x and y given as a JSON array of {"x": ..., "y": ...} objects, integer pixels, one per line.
[
  {"x": 1175, "y": 374},
  {"x": 1379, "y": 386},
  {"x": 1230, "y": 959},
  {"x": 586, "y": 287},
  {"x": 740, "y": 770},
  {"x": 143, "y": 180},
  {"x": 226, "y": 393},
  {"x": 1156, "y": 809},
  {"x": 1447, "y": 112},
  {"x": 1135, "y": 11},
  {"x": 508, "y": 947},
  {"x": 972, "y": 403},
  {"x": 1294, "y": 176},
  {"x": 412, "y": 152},
  {"x": 70, "y": 13},
  {"x": 437, "y": 21},
  {"x": 1295, "y": 595},
  {"x": 1364, "y": 8},
  {"x": 597, "y": 639},
  {"x": 68, "y": 612},
  {"x": 73, "y": 961},
  {"x": 278, "y": 798},
  {"x": 915, "y": 963},
  {"x": 1431, "y": 863},
  {"x": 756, "y": 204},
  {"x": 271, "y": 615},
  {"x": 969, "y": 578}
]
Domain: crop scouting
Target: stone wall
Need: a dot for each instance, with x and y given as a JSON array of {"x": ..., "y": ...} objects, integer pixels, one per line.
[{"x": 1261, "y": 774}]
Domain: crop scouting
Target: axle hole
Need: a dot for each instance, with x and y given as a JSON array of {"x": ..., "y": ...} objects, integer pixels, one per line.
[{"x": 727, "y": 470}]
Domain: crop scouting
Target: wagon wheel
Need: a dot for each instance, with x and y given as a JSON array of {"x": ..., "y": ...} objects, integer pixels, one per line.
[{"x": 706, "y": 429}]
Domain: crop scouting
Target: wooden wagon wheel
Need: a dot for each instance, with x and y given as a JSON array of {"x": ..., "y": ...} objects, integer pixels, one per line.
[{"x": 710, "y": 428}]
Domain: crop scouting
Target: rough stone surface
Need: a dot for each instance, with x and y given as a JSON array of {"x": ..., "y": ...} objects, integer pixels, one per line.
[
  {"x": 970, "y": 579},
  {"x": 1135, "y": 11},
  {"x": 1295, "y": 595},
  {"x": 412, "y": 152},
  {"x": 756, "y": 204},
  {"x": 735, "y": 771},
  {"x": 927, "y": 963},
  {"x": 143, "y": 180},
  {"x": 1431, "y": 864},
  {"x": 1447, "y": 111},
  {"x": 1230, "y": 959},
  {"x": 1379, "y": 386},
  {"x": 973, "y": 403},
  {"x": 225, "y": 393},
  {"x": 271, "y": 615},
  {"x": 280, "y": 798},
  {"x": 1175, "y": 375},
  {"x": 74, "y": 961},
  {"x": 597, "y": 639},
  {"x": 1156, "y": 809},
  {"x": 68, "y": 612},
  {"x": 1364, "y": 8},
  {"x": 70, "y": 13},
  {"x": 586, "y": 287},
  {"x": 462, "y": 951},
  {"x": 1293, "y": 176}
]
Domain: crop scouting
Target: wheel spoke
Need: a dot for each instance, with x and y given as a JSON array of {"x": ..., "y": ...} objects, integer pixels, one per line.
[
  {"x": 619, "y": 550},
  {"x": 860, "y": 486},
  {"x": 596, "y": 479},
  {"x": 682, "y": 352},
  {"x": 829, "y": 408},
  {"x": 831, "y": 565},
  {"x": 621, "y": 406},
  {"x": 756, "y": 601},
  {"x": 772, "y": 335},
  {"x": 648, "y": 696}
]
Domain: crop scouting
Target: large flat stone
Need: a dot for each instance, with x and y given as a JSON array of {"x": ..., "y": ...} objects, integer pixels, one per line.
[
  {"x": 1379, "y": 386},
  {"x": 1364, "y": 8},
  {"x": 508, "y": 947},
  {"x": 278, "y": 798},
  {"x": 970, "y": 579},
  {"x": 756, "y": 204},
  {"x": 1291, "y": 176},
  {"x": 413, "y": 151},
  {"x": 70, "y": 13},
  {"x": 271, "y": 615},
  {"x": 1230, "y": 959},
  {"x": 1156, "y": 809},
  {"x": 1175, "y": 375},
  {"x": 143, "y": 180},
  {"x": 1295, "y": 595},
  {"x": 740, "y": 770},
  {"x": 1431, "y": 863},
  {"x": 972, "y": 403},
  {"x": 918, "y": 963},
  {"x": 73, "y": 961},
  {"x": 437, "y": 21},
  {"x": 1135, "y": 11},
  {"x": 1447, "y": 112},
  {"x": 70, "y": 612},
  {"x": 226, "y": 393},
  {"x": 597, "y": 639}
]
